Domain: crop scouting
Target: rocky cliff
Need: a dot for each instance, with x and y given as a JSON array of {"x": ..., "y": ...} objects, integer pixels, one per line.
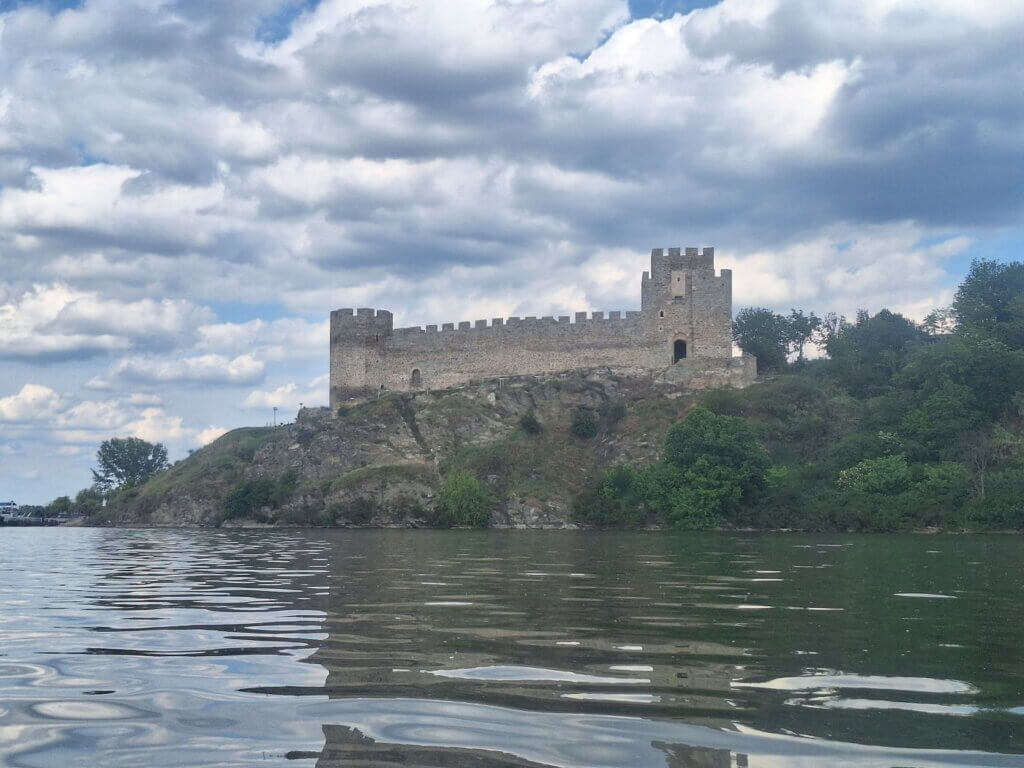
[{"x": 382, "y": 462}]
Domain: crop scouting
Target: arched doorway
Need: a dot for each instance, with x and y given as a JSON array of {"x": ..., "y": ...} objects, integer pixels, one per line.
[
  {"x": 416, "y": 380},
  {"x": 678, "y": 351}
]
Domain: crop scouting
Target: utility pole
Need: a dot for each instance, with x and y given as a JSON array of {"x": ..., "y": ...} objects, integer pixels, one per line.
[{"x": 275, "y": 415}]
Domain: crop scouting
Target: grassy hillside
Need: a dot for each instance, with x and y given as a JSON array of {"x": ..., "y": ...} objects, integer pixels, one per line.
[{"x": 385, "y": 462}]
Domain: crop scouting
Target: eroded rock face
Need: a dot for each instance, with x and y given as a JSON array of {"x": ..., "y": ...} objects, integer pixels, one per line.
[
  {"x": 382, "y": 462},
  {"x": 523, "y": 513}
]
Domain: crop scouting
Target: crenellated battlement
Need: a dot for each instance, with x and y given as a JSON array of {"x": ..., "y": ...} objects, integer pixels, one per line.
[
  {"x": 686, "y": 312},
  {"x": 504, "y": 324}
]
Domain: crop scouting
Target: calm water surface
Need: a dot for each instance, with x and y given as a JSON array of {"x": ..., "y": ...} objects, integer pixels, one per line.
[{"x": 413, "y": 648}]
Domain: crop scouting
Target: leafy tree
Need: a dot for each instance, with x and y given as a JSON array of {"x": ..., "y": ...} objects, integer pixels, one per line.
[
  {"x": 711, "y": 466},
  {"x": 830, "y": 326},
  {"x": 59, "y": 507},
  {"x": 866, "y": 356},
  {"x": 939, "y": 322},
  {"x": 763, "y": 334},
  {"x": 89, "y": 501},
  {"x": 708, "y": 494},
  {"x": 463, "y": 500},
  {"x": 801, "y": 329},
  {"x": 988, "y": 368},
  {"x": 722, "y": 463},
  {"x": 946, "y": 413},
  {"x": 990, "y": 302},
  {"x": 126, "y": 462}
]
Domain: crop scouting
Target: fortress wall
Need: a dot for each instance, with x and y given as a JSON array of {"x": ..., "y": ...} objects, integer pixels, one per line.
[
  {"x": 682, "y": 298},
  {"x": 516, "y": 346}
]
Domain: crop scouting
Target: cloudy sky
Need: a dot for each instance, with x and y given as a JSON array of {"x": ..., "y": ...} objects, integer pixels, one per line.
[{"x": 187, "y": 188}]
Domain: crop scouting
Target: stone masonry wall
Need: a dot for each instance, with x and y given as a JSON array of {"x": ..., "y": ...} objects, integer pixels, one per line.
[{"x": 682, "y": 299}]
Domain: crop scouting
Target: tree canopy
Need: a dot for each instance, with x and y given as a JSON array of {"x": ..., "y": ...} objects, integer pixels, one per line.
[
  {"x": 125, "y": 462},
  {"x": 990, "y": 302}
]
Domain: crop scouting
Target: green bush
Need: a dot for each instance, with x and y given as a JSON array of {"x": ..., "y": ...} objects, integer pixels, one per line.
[
  {"x": 886, "y": 474},
  {"x": 584, "y": 424},
  {"x": 253, "y": 495},
  {"x": 529, "y": 424},
  {"x": 712, "y": 467},
  {"x": 463, "y": 500},
  {"x": 616, "y": 502}
]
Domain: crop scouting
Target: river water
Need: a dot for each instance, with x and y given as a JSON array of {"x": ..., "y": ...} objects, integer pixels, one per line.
[{"x": 417, "y": 648}]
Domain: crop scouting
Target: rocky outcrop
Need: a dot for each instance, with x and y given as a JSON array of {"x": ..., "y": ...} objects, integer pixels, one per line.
[{"x": 382, "y": 462}]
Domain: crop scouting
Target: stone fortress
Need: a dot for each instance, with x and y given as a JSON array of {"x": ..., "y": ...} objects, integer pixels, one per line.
[{"x": 682, "y": 335}]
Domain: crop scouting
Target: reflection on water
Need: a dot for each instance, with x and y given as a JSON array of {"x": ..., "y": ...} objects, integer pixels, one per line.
[{"x": 508, "y": 648}]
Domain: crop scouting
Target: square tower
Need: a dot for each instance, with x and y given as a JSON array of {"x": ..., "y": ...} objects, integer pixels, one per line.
[{"x": 686, "y": 305}]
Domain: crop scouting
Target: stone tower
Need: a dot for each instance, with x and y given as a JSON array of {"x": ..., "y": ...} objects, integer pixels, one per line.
[{"x": 686, "y": 304}]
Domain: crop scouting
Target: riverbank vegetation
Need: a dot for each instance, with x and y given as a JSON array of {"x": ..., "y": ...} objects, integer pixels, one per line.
[{"x": 899, "y": 426}]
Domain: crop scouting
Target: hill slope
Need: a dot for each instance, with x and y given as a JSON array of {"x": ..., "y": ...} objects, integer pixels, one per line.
[{"x": 382, "y": 462}]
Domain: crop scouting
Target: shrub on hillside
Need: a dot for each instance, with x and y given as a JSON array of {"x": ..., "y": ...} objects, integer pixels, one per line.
[
  {"x": 250, "y": 497},
  {"x": 584, "y": 424},
  {"x": 529, "y": 424},
  {"x": 462, "y": 500}
]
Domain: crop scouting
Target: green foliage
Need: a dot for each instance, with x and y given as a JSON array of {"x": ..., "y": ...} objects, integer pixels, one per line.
[
  {"x": 886, "y": 474},
  {"x": 772, "y": 338},
  {"x": 865, "y": 357},
  {"x": 705, "y": 442},
  {"x": 62, "y": 506},
  {"x": 936, "y": 421},
  {"x": 126, "y": 462},
  {"x": 987, "y": 367},
  {"x": 584, "y": 423},
  {"x": 463, "y": 501},
  {"x": 529, "y": 424},
  {"x": 711, "y": 466},
  {"x": 253, "y": 496},
  {"x": 762, "y": 333},
  {"x": 89, "y": 501},
  {"x": 616, "y": 502},
  {"x": 1002, "y": 506},
  {"x": 898, "y": 429},
  {"x": 990, "y": 303},
  {"x": 800, "y": 329}
]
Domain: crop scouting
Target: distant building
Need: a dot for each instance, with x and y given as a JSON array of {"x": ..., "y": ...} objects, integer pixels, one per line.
[{"x": 682, "y": 332}]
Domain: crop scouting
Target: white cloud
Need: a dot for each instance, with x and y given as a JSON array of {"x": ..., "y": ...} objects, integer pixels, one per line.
[
  {"x": 208, "y": 435},
  {"x": 33, "y": 403},
  {"x": 202, "y": 369},
  {"x": 289, "y": 396},
  {"x": 281, "y": 339},
  {"x": 157, "y": 426},
  {"x": 48, "y": 321}
]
